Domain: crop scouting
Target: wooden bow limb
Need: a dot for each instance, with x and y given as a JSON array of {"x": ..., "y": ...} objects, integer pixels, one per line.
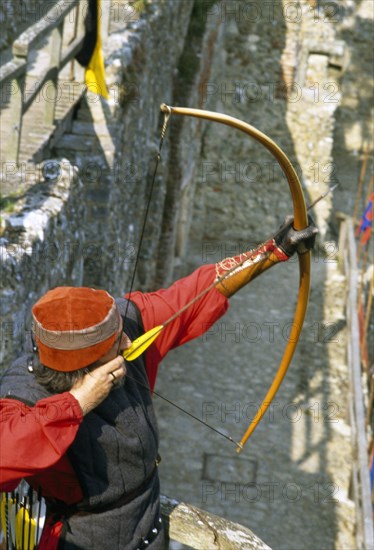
[
  {"x": 300, "y": 222},
  {"x": 143, "y": 342}
]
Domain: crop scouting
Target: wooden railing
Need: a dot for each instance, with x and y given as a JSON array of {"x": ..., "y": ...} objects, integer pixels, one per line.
[
  {"x": 13, "y": 74},
  {"x": 358, "y": 419}
]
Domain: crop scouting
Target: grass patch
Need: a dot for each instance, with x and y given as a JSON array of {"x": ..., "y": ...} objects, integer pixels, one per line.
[{"x": 8, "y": 202}]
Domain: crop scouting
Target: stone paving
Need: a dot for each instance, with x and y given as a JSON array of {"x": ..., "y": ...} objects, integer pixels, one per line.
[{"x": 290, "y": 484}]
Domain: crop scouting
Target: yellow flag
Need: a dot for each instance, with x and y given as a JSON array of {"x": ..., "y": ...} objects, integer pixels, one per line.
[{"x": 95, "y": 72}]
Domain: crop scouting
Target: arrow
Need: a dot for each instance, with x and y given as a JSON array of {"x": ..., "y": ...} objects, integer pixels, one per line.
[
  {"x": 141, "y": 343},
  {"x": 330, "y": 190}
]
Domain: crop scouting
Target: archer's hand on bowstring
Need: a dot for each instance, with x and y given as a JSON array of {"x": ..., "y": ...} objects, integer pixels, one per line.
[
  {"x": 234, "y": 273},
  {"x": 96, "y": 385}
]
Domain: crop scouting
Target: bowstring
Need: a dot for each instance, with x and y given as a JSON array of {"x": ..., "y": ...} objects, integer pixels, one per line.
[
  {"x": 184, "y": 410},
  {"x": 167, "y": 115}
]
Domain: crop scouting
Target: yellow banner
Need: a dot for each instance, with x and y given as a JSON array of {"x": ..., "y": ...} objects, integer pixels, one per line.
[{"x": 95, "y": 71}]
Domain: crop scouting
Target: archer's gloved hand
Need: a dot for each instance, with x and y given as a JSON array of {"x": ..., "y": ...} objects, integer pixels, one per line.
[{"x": 291, "y": 241}]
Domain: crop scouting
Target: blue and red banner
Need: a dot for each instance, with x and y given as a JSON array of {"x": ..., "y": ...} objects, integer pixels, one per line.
[{"x": 366, "y": 223}]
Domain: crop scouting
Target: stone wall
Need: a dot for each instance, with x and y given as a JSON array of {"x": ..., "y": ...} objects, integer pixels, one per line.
[
  {"x": 146, "y": 66},
  {"x": 39, "y": 249},
  {"x": 299, "y": 71},
  {"x": 81, "y": 217}
]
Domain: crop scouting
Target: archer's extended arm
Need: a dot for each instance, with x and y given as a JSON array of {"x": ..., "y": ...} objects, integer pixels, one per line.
[{"x": 250, "y": 264}]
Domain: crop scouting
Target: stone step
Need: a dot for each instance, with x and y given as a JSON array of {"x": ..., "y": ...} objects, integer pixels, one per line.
[
  {"x": 90, "y": 146},
  {"x": 77, "y": 143},
  {"x": 92, "y": 111},
  {"x": 66, "y": 153},
  {"x": 64, "y": 106},
  {"x": 92, "y": 128}
]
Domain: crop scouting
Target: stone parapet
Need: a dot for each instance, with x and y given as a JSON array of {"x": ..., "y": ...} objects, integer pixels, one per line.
[{"x": 42, "y": 246}]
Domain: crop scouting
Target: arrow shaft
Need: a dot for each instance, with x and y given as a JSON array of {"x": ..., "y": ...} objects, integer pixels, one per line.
[
  {"x": 330, "y": 190},
  {"x": 140, "y": 345}
]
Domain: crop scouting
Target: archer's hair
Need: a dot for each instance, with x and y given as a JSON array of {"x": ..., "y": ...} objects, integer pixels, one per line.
[{"x": 55, "y": 381}]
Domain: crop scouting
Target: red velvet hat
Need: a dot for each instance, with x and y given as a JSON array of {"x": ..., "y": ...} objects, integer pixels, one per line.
[{"x": 74, "y": 326}]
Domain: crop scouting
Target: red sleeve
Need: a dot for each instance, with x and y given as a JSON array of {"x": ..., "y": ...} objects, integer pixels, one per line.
[
  {"x": 157, "y": 307},
  {"x": 35, "y": 438}
]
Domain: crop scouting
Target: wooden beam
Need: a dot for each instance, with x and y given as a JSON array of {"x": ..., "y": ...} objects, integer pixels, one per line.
[
  {"x": 47, "y": 23},
  {"x": 12, "y": 69}
]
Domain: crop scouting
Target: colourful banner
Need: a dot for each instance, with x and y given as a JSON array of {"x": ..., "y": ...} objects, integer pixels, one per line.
[{"x": 366, "y": 222}]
